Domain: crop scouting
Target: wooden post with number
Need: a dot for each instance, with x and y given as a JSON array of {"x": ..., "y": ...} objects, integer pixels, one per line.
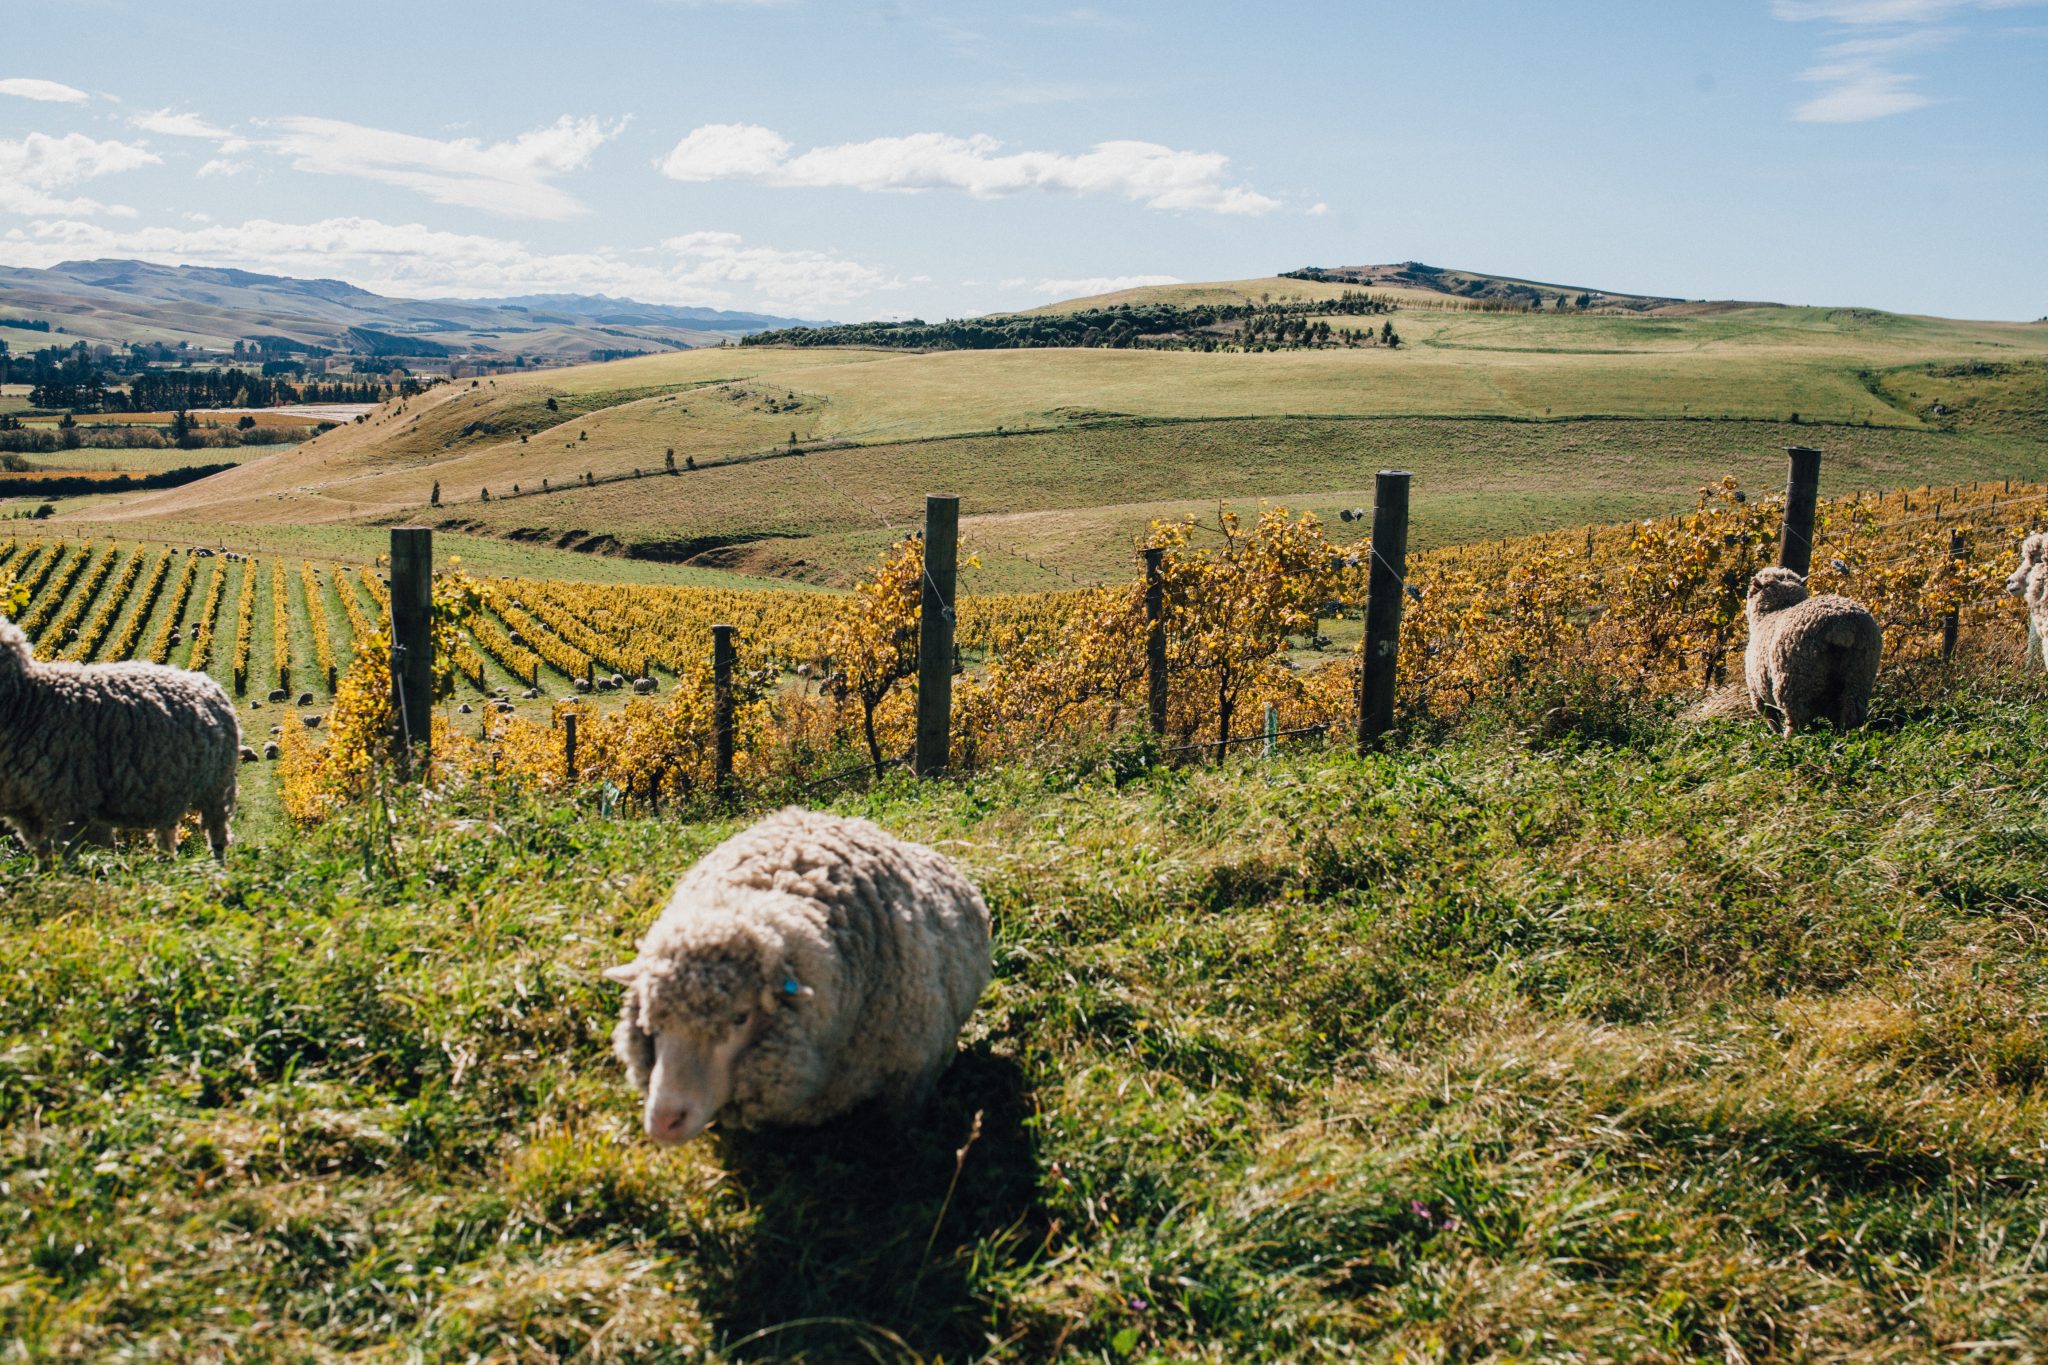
[
  {"x": 935, "y": 624},
  {"x": 1802, "y": 496},
  {"x": 1385, "y": 585},
  {"x": 412, "y": 645},
  {"x": 1155, "y": 640}
]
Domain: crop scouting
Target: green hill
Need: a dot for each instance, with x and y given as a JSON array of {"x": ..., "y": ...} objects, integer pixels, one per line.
[{"x": 1511, "y": 420}]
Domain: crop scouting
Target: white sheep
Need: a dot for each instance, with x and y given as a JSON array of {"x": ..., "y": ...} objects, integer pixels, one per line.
[
  {"x": 89, "y": 748},
  {"x": 1809, "y": 658},
  {"x": 2030, "y": 583},
  {"x": 805, "y": 966}
]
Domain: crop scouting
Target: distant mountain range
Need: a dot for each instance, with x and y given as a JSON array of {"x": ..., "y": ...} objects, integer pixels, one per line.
[{"x": 120, "y": 302}]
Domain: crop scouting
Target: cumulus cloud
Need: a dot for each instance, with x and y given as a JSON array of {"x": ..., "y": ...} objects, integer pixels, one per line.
[
  {"x": 221, "y": 165},
  {"x": 1090, "y": 285},
  {"x": 53, "y": 92},
  {"x": 717, "y": 269},
  {"x": 1157, "y": 176},
  {"x": 792, "y": 278},
  {"x": 33, "y": 168},
  {"x": 1318, "y": 209}
]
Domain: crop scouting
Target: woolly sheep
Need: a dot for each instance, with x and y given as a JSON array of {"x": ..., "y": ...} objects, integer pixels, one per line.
[
  {"x": 88, "y": 748},
  {"x": 805, "y": 966},
  {"x": 2030, "y": 582},
  {"x": 1809, "y": 658}
]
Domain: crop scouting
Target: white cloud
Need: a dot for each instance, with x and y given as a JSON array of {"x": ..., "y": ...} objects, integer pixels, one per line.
[
  {"x": 1318, "y": 209},
  {"x": 792, "y": 279},
  {"x": 54, "y": 92},
  {"x": 221, "y": 165},
  {"x": 1159, "y": 177},
  {"x": 165, "y": 123},
  {"x": 714, "y": 269},
  {"x": 510, "y": 178},
  {"x": 1865, "y": 12},
  {"x": 1091, "y": 285},
  {"x": 38, "y": 164},
  {"x": 1860, "y": 77},
  {"x": 1861, "y": 82}
]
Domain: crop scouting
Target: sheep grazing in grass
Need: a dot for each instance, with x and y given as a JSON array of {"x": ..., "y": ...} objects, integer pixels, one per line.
[
  {"x": 86, "y": 749},
  {"x": 1809, "y": 658},
  {"x": 2030, "y": 583},
  {"x": 804, "y": 967}
]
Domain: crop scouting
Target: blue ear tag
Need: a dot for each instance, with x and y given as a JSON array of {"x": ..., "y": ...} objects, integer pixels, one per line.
[{"x": 790, "y": 987}]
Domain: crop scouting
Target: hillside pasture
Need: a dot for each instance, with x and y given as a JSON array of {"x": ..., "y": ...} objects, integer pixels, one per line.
[{"x": 1566, "y": 417}]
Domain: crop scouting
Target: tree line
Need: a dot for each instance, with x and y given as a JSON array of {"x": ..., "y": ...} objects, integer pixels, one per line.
[
  {"x": 74, "y": 379},
  {"x": 1267, "y": 324}
]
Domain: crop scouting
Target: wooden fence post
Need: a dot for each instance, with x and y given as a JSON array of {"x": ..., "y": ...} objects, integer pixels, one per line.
[
  {"x": 1384, "y": 588},
  {"x": 935, "y": 634},
  {"x": 412, "y": 643},
  {"x": 723, "y": 650},
  {"x": 1155, "y": 639},
  {"x": 1802, "y": 493},
  {"x": 1952, "y": 619},
  {"x": 569, "y": 748}
]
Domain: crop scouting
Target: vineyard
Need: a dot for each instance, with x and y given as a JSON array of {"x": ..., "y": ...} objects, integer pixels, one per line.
[{"x": 1254, "y": 606}]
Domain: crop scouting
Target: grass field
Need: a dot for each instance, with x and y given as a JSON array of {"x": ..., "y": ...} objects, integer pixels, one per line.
[
  {"x": 1687, "y": 1044},
  {"x": 1607, "y": 414}
]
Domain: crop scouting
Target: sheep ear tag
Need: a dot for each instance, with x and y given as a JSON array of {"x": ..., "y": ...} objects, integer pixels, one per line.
[
  {"x": 792, "y": 989},
  {"x": 626, "y": 973}
]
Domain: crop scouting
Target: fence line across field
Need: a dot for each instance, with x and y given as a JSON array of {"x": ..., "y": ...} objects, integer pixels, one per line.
[{"x": 1388, "y": 585}]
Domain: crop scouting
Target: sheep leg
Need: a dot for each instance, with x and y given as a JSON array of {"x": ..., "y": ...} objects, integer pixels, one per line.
[
  {"x": 214, "y": 815},
  {"x": 35, "y": 835},
  {"x": 167, "y": 838}
]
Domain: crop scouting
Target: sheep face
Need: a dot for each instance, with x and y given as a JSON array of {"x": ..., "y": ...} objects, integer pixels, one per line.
[
  {"x": 2033, "y": 555},
  {"x": 1774, "y": 590},
  {"x": 686, "y": 1026}
]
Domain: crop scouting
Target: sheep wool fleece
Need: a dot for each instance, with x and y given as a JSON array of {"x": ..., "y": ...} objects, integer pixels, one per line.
[
  {"x": 889, "y": 939},
  {"x": 123, "y": 746}
]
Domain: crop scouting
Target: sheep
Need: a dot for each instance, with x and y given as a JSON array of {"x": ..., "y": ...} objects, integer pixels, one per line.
[
  {"x": 2030, "y": 583},
  {"x": 1809, "y": 658},
  {"x": 89, "y": 748},
  {"x": 804, "y": 967}
]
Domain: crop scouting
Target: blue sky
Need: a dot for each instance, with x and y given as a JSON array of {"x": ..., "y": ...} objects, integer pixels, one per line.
[{"x": 884, "y": 160}]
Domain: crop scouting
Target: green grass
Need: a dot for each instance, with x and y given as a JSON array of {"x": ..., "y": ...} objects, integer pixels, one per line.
[
  {"x": 1692, "y": 1044},
  {"x": 1045, "y": 509},
  {"x": 1099, "y": 439}
]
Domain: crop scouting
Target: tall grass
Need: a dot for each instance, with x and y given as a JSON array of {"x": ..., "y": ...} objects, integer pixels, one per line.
[{"x": 1689, "y": 1043}]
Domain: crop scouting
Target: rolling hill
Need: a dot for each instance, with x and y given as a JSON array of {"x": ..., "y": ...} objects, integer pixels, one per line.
[
  {"x": 806, "y": 460},
  {"x": 118, "y": 302}
]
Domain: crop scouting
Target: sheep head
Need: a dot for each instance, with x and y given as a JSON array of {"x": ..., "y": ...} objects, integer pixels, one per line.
[
  {"x": 686, "y": 1022},
  {"x": 1774, "y": 590},
  {"x": 2033, "y": 555}
]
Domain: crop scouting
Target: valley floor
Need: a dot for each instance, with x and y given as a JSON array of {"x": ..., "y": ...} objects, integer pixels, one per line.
[{"x": 1670, "y": 1042}]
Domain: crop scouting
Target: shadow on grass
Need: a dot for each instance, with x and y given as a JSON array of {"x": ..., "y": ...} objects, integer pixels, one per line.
[{"x": 867, "y": 1241}]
